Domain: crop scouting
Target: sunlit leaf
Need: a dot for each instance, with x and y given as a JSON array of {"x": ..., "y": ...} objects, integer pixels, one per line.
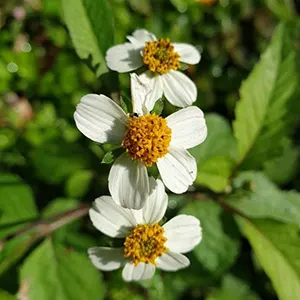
[
  {"x": 277, "y": 247},
  {"x": 54, "y": 272}
]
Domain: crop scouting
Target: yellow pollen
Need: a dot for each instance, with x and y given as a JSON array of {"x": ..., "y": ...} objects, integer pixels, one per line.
[
  {"x": 160, "y": 56},
  {"x": 145, "y": 243},
  {"x": 147, "y": 138}
]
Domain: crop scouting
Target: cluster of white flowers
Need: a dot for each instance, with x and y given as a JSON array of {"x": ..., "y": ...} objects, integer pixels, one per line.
[{"x": 138, "y": 202}]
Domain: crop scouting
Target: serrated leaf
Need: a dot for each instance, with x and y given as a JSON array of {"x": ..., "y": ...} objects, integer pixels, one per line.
[
  {"x": 220, "y": 243},
  {"x": 264, "y": 115},
  {"x": 158, "y": 107},
  {"x": 16, "y": 204},
  {"x": 54, "y": 272},
  {"x": 264, "y": 199},
  {"x": 77, "y": 185},
  {"x": 112, "y": 155},
  {"x": 90, "y": 24},
  {"x": 277, "y": 247},
  {"x": 216, "y": 156}
]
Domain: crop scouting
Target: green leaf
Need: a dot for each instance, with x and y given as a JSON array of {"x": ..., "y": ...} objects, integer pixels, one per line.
[
  {"x": 54, "y": 272},
  {"x": 6, "y": 296},
  {"x": 56, "y": 162},
  {"x": 264, "y": 115},
  {"x": 158, "y": 107},
  {"x": 57, "y": 206},
  {"x": 233, "y": 288},
  {"x": 112, "y": 155},
  {"x": 13, "y": 250},
  {"x": 220, "y": 243},
  {"x": 216, "y": 156},
  {"x": 90, "y": 24},
  {"x": 277, "y": 247},
  {"x": 78, "y": 184},
  {"x": 17, "y": 204},
  {"x": 264, "y": 199},
  {"x": 284, "y": 9},
  {"x": 287, "y": 163}
]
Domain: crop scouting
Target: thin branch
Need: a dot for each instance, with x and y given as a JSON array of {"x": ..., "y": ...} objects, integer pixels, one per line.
[{"x": 43, "y": 227}]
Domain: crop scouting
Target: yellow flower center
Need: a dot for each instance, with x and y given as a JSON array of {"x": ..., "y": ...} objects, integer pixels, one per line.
[
  {"x": 160, "y": 56},
  {"x": 147, "y": 138},
  {"x": 145, "y": 243}
]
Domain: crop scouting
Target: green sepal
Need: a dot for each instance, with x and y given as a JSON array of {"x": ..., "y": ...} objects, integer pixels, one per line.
[
  {"x": 112, "y": 155},
  {"x": 126, "y": 104},
  {"x": 158, "y": 107}
]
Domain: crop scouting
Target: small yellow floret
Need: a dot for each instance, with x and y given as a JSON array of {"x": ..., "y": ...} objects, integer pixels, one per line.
[
  {"x": 145, "y": 243},
  {"x": 160, "y": 56},
  {"x": 147, "y": 138}
]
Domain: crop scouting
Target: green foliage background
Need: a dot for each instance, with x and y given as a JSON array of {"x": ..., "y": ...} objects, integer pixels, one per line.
[{"x": 247, "y": 192}]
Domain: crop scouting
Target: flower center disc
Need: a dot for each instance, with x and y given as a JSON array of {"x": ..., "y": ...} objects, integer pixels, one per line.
[
  {"x": 145, "y": 243},
  {"x": 160, "y": 56},
  {"x": 147, "y": 138}
]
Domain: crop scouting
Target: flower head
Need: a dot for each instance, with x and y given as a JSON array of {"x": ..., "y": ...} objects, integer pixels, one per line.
[
  {"x": 162, "y": 59},
  {"x": 147, "y": 139},
  {"x": 147, "y": 244}
]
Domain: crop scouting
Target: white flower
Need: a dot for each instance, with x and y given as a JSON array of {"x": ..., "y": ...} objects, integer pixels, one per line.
[
  {"x": 162, "y": 59},
  {"x": 147, "y": 139},
  {"x": 147, "y": 244}
]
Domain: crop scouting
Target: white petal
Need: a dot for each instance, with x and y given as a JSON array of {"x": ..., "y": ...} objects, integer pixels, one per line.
[
  {"x": 107, "y": 259},
  {"x": 100, "y": 119},
  {"x": 156, "y": 205},
  {"x": 172, "y": 261},
  {"x": 110, "y": 218},
  {"x": 140, "y": 272},
  {"x": 188, "y": 127},
  {"x": 178, "y": 170},
  {"x": 183, "y": 233},
  {"x": 124, "y": 58},
  {"x": 153, "y": 81},
  {"x": 188, "y": 53},
  {"x": 128, "y": 182},
  {"x": 179, "y": 89},
  {"x": 140, "y": 37},
  {"x": 139, "y": 92}
]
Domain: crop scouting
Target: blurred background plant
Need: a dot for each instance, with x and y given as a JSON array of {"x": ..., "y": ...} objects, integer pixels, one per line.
[{"x": 50, "y": 173}]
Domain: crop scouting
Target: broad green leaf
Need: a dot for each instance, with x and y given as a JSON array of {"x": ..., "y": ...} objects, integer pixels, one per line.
[
  {"x": 220, "y": 243},
  {"x": 57, "y": 206},
  {"x": 287, "y": 163},
  {"x": 284, "y": 9},
  {"x": 90, "y": 24},
  {"x": 264, "y": 200},
  {"x": 56, "y": 162},
  {"x": 54, "y": 272},
  {"x": 264, "y": 114},
  {"x": 6, "y": 296},
  {"x": 216, "y": 155},
  {"x": 277, "y": 247},
  {"x": 78, "y": 184},
  {"x": 17, "y": 204},
  {"x": 13, "y": 250},
  {"x": 233, "y": 288}
]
